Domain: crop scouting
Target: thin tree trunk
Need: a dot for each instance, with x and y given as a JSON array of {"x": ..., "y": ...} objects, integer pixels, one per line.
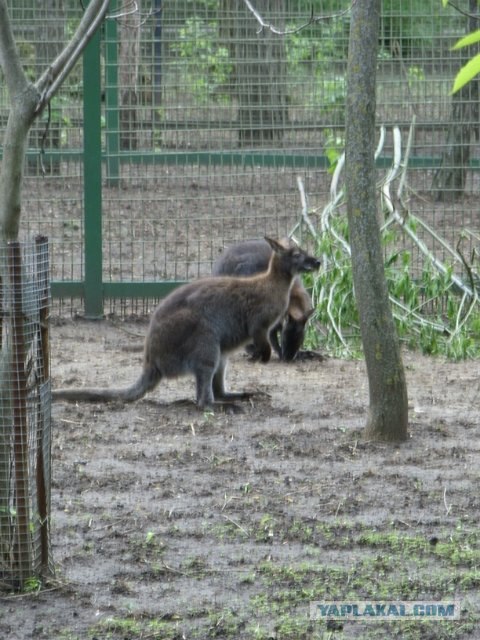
[
  {"x": 388, "y": 409},
  {"x": 450, "y": 178},
  {"x": 129, "y": 61},
  {"x": 260, "y": 71}
]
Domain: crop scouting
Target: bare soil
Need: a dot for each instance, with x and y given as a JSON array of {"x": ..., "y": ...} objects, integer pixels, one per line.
[{"x": 172, "y": 523}]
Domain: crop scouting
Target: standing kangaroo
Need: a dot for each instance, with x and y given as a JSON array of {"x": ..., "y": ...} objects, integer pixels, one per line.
[
  {"x": 195, "y": 327},
  {"x": 251, "y": 257}
]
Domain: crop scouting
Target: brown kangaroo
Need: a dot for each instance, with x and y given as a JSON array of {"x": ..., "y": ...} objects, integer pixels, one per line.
[
  {"x": 251, "y": 257},
  {"x": 195, "y": 327}
]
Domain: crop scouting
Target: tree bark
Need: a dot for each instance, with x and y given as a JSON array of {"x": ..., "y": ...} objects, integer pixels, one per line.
[
  {"x": 128, "y": 64},
  {"x": 27, "y": 101},
  {"x": 388, "y": 408},
  {"x": 24, "y": 98},
  {"x": 260, "y": 71}
]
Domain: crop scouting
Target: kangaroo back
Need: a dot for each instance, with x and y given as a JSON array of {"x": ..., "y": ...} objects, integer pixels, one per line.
[{"x": 243, "y": 259}]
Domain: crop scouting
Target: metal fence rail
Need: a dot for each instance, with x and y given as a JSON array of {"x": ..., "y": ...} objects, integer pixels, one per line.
[{"x": 187, "y": 128}]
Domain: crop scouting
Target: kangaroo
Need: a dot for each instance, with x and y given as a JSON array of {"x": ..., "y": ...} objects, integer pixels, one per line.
[
  {"x": 197, "y": 325},
  {"x": 251, "y": 257}
]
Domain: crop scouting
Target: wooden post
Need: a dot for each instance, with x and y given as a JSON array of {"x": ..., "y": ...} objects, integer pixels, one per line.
[
  {"x": 43, "y": 376},
  {"x": 22, "y": 543}
]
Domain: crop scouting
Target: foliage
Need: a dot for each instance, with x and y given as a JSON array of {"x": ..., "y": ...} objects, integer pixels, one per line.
[
  {"x": 430, "y": 312},
  {"x": 333, "y": 148},
  {"x": 208, "y": 64},
  {"x": 313, "y": 52},
  {"x": 408, "y": 27},
  {"x": 472, "y": 68},
  {"x": 381, "y": 563},
  {"x": 415, "y": 75},
  {"x": 323, "y": 43}
]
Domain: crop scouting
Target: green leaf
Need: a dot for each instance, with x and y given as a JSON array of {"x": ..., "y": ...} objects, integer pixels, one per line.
[
  {"x": 471, "y": 38},
  {"x": 445, "y": 3},
  {"x": 466, "y": 73}
]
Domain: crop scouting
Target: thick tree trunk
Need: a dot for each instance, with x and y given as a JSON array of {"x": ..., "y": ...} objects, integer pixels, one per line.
[
  {"x": 388, "y": 412},
  {"x": 260, "y": 71}
]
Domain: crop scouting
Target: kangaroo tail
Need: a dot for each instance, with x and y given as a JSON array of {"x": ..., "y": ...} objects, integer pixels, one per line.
[{"x": 146, "y": 382}]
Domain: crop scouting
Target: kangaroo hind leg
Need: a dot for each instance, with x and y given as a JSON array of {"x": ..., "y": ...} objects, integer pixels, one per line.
[{"x": 218, "y": 385}]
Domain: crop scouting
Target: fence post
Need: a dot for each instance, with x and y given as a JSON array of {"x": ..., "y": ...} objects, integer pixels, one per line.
[
  {"x": 92, "y": 178},
  {"x": 112, "y": 120}
]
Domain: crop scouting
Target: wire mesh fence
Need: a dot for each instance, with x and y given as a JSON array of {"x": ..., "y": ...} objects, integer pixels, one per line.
[
  {"x": 206, "y": 121},
  {"x": 25, "y": 427}
]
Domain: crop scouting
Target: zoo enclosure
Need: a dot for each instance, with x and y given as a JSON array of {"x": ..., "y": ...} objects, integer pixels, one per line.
[{"x": 187, "y": 128}]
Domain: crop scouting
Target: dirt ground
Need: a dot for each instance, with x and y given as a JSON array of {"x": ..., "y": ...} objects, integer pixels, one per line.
[{"x": 172, "y": 523}]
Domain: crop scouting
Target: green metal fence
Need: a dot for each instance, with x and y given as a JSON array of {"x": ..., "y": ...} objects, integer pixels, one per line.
[{"x": 187, "y": 127}]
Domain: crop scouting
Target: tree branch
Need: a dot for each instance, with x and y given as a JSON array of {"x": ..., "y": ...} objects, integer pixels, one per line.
[
  {"x": 312, "y": 20},
  {"x": 50, "y": 81},
  {"x": 9, "y": 59},
  {"x": 463, "y": 12}
]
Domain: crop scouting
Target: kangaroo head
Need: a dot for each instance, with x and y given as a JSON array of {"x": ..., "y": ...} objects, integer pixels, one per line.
[{"x": 291, "y": 258}]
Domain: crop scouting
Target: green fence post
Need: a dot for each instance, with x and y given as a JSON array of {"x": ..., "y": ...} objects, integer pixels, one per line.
[
  {"x": 92, "y": 178},
  {"x": 112, "y": 120}
]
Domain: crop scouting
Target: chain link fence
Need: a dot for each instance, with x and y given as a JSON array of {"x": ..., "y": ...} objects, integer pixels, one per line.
[{"x": 196, "y": 124}]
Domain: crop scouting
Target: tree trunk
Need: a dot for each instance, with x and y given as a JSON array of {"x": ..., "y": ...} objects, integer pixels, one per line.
[
  {"x": 157, "y": 57},
  {"x": 260, "y": 71},
  {"x": 450, "y": 178},
  {"x": 128, "y": 62},
  {"x": 49, "y": 41},
  {"x": 20, "y": 118},
  {"x": 27, "y": 101},
  {"x": 388, "y": 410}
]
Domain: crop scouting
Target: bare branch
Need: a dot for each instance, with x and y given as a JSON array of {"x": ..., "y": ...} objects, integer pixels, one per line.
[
  {"x": 51, "y": 80},
  {"x": 304, "y": 201},
  {"x": 463, "y": 12},
  {"x": 285, "y": 32},
  {"x": 129, "y": 8}
]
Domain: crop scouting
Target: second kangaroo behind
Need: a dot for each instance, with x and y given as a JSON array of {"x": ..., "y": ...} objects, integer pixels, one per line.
[
  {"x": 252, "y": 256},
  {"x": 196, "y": 326}
]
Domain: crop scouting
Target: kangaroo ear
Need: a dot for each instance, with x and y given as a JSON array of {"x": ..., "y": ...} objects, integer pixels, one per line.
[
  {"x": 287, "y": 243},
  {"x": 276, "y": 246}
]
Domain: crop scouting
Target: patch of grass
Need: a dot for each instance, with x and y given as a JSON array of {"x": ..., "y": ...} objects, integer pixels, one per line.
[
  {"x": 32, "y": 585},
  {"x": 224, "y": 624},
  {"x": 130, "y": 627},
  {"x": 393, "y": 541},
  {"x": 431, "y": 313},
  {"x": 195, "y": 565},
  {"x": 380, "y": 564}
]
